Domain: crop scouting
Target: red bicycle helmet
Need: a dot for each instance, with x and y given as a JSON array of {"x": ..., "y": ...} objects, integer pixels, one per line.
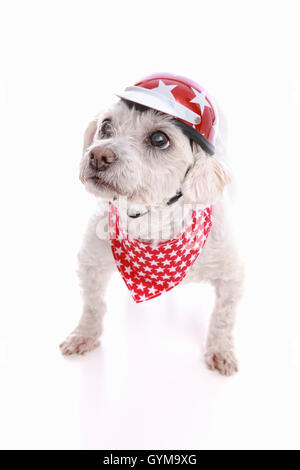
[{"x": 181, "y": 98}]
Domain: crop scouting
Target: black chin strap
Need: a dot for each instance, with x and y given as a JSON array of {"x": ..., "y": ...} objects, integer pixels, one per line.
[
  {"x": 171, "y": 201},
  {"x": 137, "y": 215},
  {"x": 174, "y": 198}
]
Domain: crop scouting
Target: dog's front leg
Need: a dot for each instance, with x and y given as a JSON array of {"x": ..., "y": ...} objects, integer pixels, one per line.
[
  {"x": 95, "y": 268},
  {"x": 219, "y": 347}
]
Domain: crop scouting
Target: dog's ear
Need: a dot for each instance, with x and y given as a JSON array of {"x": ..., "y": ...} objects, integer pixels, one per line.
[
  {"x": 205, "y": 181},
  {"x": 89, "y": 133}
]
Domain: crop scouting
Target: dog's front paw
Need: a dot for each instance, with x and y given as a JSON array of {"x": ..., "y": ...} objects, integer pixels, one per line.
[
  {"x": 224, "y": 362},
  {"x": 78, "y": 344}
]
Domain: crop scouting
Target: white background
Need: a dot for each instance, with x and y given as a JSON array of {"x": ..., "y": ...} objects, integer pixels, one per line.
[{"x": 147, "y": 385}]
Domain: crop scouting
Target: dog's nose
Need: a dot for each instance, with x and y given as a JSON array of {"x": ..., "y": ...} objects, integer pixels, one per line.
[{"x": 100, "y": 159}]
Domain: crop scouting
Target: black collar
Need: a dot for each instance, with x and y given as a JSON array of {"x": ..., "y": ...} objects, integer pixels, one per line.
[
  {"x": 169, "y": 203},
  {"x": 174, "y": 198}
]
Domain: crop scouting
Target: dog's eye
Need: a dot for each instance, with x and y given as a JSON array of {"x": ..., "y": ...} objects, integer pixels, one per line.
[
  {"x": 159, "y": 139},
  {"x": 106, "y": 128}
]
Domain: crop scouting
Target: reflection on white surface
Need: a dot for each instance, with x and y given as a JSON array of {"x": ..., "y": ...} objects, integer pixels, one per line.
[{"x": 147, "y": 385}]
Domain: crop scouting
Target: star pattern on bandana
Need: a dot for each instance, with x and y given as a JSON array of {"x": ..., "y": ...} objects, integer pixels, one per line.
[{"x": 150, "y": 269}]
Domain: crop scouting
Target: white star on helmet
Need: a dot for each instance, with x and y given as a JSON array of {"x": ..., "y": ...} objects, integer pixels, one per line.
[{"x": 200, "y": 98}]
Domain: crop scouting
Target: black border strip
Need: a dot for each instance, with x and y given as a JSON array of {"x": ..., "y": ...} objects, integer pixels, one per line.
[{"x": 196, "y": 136}]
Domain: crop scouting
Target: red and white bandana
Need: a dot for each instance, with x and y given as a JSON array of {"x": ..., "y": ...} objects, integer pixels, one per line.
[{"x": 149, "y": 269}]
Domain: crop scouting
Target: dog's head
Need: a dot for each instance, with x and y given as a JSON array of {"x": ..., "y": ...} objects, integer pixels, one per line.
[{"x": 144, "y": 155}]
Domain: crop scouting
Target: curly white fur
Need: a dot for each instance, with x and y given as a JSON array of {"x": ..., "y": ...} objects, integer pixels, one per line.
[{"x": 147, "y": 178}]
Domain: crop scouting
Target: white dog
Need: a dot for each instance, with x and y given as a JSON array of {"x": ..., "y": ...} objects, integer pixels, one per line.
[{"x": 143, "y": 155}]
